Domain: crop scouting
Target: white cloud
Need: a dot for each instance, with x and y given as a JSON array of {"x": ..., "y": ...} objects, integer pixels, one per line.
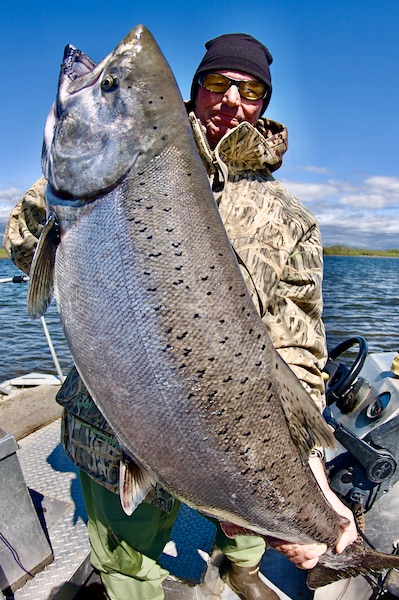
[
  {"x": 8, "y": 199},
  {"x": 362, "y": 212},
  {"x": 320, "y": 170}
]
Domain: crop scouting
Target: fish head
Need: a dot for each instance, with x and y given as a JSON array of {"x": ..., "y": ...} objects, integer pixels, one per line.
[{"x": 108, "y": 117}]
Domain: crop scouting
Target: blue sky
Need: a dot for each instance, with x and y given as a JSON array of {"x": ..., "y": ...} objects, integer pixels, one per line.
[{"x": 335, "y": 86}]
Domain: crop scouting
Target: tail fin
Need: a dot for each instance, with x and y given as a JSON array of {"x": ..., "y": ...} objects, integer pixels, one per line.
[{"x": 356, "y": 560}]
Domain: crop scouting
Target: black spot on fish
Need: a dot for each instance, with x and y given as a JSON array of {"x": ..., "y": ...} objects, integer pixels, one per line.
[
  {"x": 166, "y": 348},
  {"x": 182, "y": 366},
  {"x": 179, "y": 268},
  {"x": 222, "y": 321},
  {"x": 245, "y": 471},
  {"x": 155, "y": 127},
  {"x": 167, "y": 209},
  {"x": 187, "y": 351},
  {"x": 169, "y": 330},
  {"x": 205, "y": 278},
  {"x": 169, "y": 230},
  {"x": 258, "y": 364},
  {"x": 211, "y": 396},
  {"x": 229, "y": 378},
  {"x": 209, "y": 293},
  {"x": 149, "y": 237},
  {"x": 152, "y": 289},
  {"x": 175, "y": 244},
  {"x": 182, "y": 336},
  {"x": 150, "y": 207},
  {"x": 157, "y": 308},
  {"x": 155, "y": 255},
  {"x": 238, "y": 354},
  {"x": 247, "y": 434},
  {"x": 244, "y": 380},
  {"x": 197, "y": 316},
  {"x": 223, "y": 341},
  {"x": 201, "y": 373},
  {"x": 178, "y": 282},
  {"x": 211, "y": 359},
  {"x": 239, "y": 418}
]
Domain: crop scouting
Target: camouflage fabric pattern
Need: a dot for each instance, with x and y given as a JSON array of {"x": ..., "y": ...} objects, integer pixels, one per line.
[
  {"x": 278, "y": 245},
  {"x": 87, "y": 438},
  {"x": 25, "y": 225}
]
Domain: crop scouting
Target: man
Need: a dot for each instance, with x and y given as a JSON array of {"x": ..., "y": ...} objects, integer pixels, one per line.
[{"x": 278, "y": 247}]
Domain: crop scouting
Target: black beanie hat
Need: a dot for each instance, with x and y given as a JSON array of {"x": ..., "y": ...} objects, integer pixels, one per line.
[{"x": 236, "y": 52}]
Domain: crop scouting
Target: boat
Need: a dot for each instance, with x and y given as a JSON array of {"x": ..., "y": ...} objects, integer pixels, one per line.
[{"x": 45, "y": 551}]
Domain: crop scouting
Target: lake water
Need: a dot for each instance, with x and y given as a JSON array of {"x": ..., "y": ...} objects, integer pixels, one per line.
[{"x": 361, "y": 297}]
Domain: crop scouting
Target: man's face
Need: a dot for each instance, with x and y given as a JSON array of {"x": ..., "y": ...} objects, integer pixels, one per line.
[{"x": 220, "y": 112}]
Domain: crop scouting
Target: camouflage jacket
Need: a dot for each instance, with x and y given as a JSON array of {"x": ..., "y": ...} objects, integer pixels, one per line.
[{"x": 278, "y": 246}]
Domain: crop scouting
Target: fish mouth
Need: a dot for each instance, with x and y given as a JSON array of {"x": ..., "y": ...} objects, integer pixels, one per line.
[{"x": 75, "y": 64}]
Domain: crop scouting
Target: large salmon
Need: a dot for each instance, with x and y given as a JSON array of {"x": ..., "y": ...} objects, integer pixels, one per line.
[{"x": 157, "y": 316}]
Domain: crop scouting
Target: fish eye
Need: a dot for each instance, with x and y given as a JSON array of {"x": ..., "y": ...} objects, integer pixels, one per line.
[{"x": 109, "y": 83}]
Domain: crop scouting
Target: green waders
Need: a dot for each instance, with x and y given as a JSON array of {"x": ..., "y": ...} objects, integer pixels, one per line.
[{"x": 125, "y": 549}]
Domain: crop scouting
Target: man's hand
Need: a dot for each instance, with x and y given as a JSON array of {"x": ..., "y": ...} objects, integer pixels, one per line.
[{"x": 306, "y": 556}]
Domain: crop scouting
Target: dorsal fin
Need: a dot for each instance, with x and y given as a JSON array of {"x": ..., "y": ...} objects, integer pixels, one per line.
[{"x": 306, "y": 424}]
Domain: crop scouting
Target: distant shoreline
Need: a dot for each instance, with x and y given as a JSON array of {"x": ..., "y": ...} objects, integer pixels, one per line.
[
  {"x": 347, "y": 251},
  {"x": 327, "y": 251}
]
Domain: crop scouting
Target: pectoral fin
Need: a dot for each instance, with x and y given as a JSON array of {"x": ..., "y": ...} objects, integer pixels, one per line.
[
  {"x": 134, "y": 483},
  {"x": 41, "y": 276}
]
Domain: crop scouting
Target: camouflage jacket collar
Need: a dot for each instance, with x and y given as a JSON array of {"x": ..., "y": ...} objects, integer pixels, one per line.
[{"x": 245, "y": 148}]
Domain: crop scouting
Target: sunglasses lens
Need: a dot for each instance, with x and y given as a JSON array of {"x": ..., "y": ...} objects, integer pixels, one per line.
[
  {"x": 214, "y": 82},
  {"x": 217, "y": 83},
  {"x": 252, "y": 90}
]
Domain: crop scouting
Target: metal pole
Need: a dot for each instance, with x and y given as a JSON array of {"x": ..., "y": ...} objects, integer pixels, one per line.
[{"x": 53, "y": 354}]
